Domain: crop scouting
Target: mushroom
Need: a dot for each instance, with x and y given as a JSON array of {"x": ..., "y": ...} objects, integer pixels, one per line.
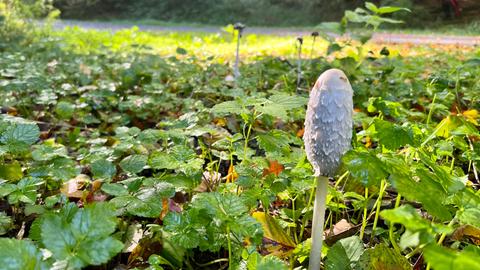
[
  {"x": 239, "y": 27},
  {"x": 328, "y": 135}
]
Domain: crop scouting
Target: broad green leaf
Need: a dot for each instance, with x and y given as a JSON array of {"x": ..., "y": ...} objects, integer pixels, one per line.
[
  {"x": 133, "y": 163},
  {"x": 5, "y": 223},
  {"x": 470, "y": 216},
  {"x": 257, "y": 262},
  {"x": 162, "y": 160},
  {"x": 344, "y": 254},
  {"x": 64, "y": 110},
  {"x": 382, "y": 257},
  {"x": 441, "y": 258},
  {"x": 407, "y": 216},
  {"x": 393, "y": 136},
  {"x": 274, "y": 141},
  {"x": 20, "y": 133},
  {"x": 146, "y": 202},
  {"x": 365, "y": 167},
  {"x": 103, "y": 169},
  {"x": 81, "y": 237},
  {"x": 11, "y": 171},
  {"x": 229, "y": 107},
  {"x": 20, "y": 254},
  {"x": 288, "y": 102},
  {"x": 421, "y": 191}
]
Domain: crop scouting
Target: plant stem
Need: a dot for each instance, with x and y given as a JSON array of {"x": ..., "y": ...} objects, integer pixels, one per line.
[
  {"x": 304, "y": 223},
  {"x": 364, "y": 219},
  {"x": 378, "y": 203},
  {"x": 391, "y": 225},
  {"x": 229, "y": 243},
  {"x": 318, "y": 220}
]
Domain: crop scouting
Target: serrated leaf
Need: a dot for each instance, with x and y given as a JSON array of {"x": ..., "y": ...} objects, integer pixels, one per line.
[
  {"x": 11, "y": 171},
  {"x": 103, "y": 169},
  {"x": 227, "y": 107},
  {"x": 441, "y": 258},
  {"x": 20, "y": 133},
  {"x": 421, "y": 191},
  {"x": 133, "y": 163},
  {"x": 393, "y": 136},
  {"x": 20, "y": 254},
  {"x": 344, "y": 254},
  {"x": 64, "y": 110},
  {"x": 81, "y": 237},
  {"x": 382, "y": 257},
  {"x": 365, "y": 167}
]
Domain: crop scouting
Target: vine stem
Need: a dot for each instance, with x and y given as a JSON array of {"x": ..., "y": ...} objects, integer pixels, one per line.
[{"x": 318, "y": 221}]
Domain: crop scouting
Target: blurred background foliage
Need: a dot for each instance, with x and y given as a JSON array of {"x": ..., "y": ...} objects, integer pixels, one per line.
[{"x": 261, "y": 12}]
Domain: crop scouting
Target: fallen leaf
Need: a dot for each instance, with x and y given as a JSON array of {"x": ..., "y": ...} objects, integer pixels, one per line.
[
  {"x": 274, "y": 168},
  {"x": 272, "y": 230},
  {"x": 232, "y": 174}
]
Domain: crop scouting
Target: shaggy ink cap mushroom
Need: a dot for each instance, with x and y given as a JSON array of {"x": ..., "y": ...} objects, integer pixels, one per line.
[{"x": 328, "y": 122}]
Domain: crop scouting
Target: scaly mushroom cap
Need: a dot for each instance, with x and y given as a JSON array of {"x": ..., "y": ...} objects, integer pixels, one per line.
[{"x": 328, "y": 122}]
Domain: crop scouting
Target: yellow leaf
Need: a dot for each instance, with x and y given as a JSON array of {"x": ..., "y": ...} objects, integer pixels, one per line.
[
  {"x": 272, "y": 229},
  {"x": 471, "y": 116}
]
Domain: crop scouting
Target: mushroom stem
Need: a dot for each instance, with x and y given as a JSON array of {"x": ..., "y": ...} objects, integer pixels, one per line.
[{"x": 318, "y": 220}]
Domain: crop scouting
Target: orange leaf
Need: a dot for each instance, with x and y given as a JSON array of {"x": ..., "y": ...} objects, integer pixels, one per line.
[
  {"x": 232, "y": 174},
  {"x": 300, "y": 132},
  {"x": 274, "y": 168}
]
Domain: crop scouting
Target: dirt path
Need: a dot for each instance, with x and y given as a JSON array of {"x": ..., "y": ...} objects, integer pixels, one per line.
[{"x": 378, "y": 37}]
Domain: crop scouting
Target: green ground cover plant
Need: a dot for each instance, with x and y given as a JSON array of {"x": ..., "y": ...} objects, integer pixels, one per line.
[{"x": 124, "y": 156}]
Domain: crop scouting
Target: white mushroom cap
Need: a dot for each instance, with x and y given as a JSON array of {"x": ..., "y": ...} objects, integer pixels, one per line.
[{"x": 328, "y": 122}]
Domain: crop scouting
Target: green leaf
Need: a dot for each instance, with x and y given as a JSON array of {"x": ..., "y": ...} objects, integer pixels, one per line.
[
  {"x": 5, "y": 223},
  {"x": 64, "y": 110},
  {"x": 365, "y": 167},
  {"x": 393, "y": 136},
  {"x": 442, "y": 258},
  {"x": 407, "y": 216},
  {"x": 344, "y": 254},
  {"x": 274, "y": 141},
  {"x": 134, "y": 163},
  {"x": 20, "y": 133},
  {"x": 229, "y": 107},
  {"x": 421, "y": 191},
  {"x": 146, "y": 202},
  {"x": 103, "y": 169},
  {"x": 11, "y": 172},
  {"x": 470, "y": 216},
  {"x": 382, "y": 257},
  {"x": 20, "y": 254},
  {"x": 81, "y": 237},
  {"x": 162, "y": 160}
]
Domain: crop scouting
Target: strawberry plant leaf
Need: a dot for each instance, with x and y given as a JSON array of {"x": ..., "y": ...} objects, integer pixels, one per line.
[
  {"x": 442, "y": 258},
  {"x": 365, "y": 167},
  {"x": 103, "y": 169},
  {"x": 81, "y": 237},
  {"x": 393, "y": 136},
  {"x": 21, "y": 254},
  {"x": 134, "y": 163},
  {"x": 344, "y": 254}
]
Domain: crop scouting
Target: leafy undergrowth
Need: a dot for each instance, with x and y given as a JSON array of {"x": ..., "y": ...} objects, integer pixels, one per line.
[{"x": 126, "y": 159}]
